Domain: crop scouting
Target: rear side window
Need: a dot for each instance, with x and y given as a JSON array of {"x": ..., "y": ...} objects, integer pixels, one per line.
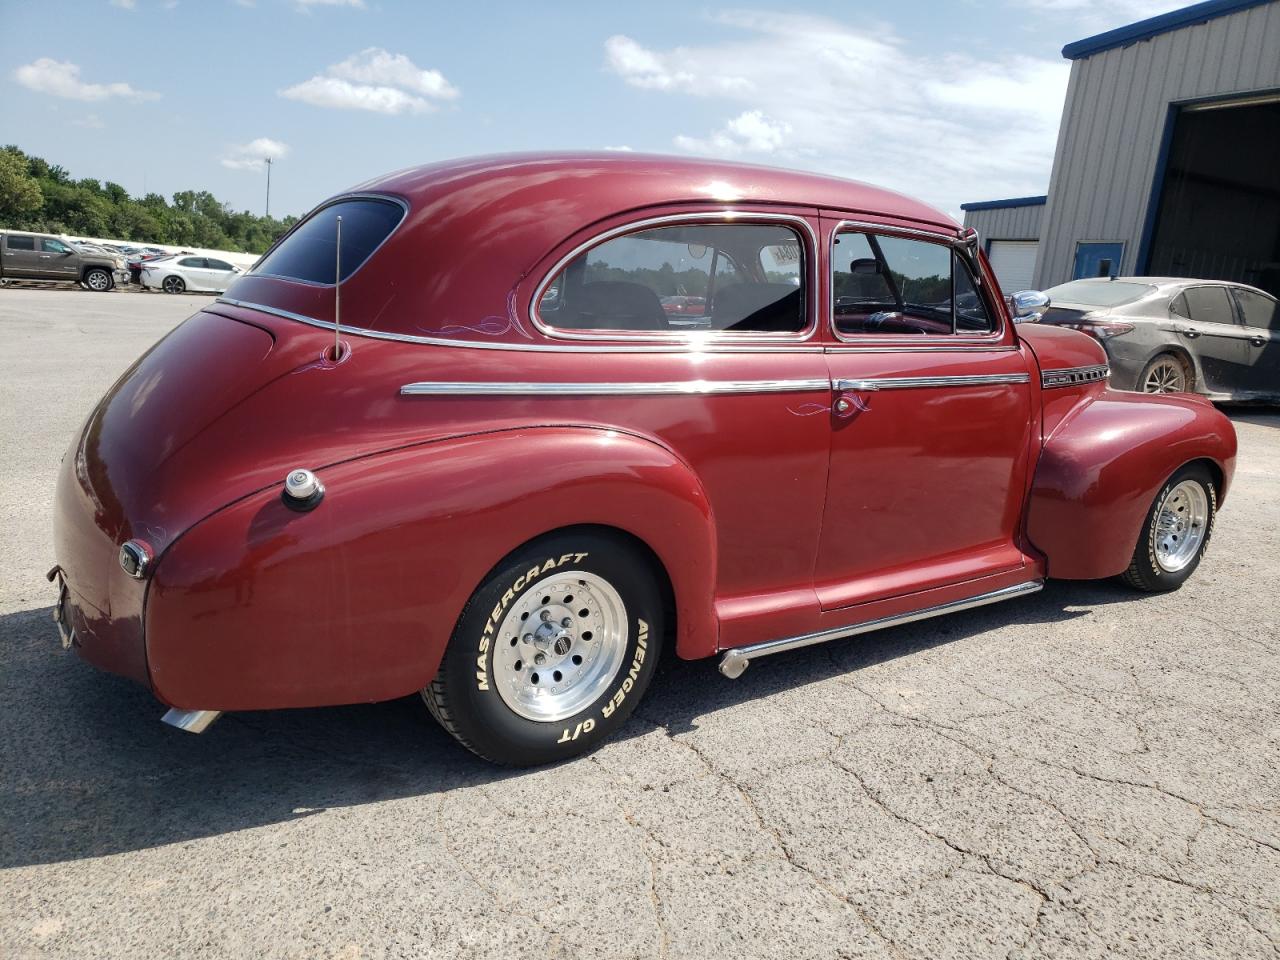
[
  {"x": 20, "y": 243},
  {"x": 1208, "y": 305},
  {"x": 309, "y": 252},
  {"x": 718, "y": 277},
  {"x": 1258, "y": 311},
  {"x": 191, "y": 262},
  {"x": 891, "y": 285}
]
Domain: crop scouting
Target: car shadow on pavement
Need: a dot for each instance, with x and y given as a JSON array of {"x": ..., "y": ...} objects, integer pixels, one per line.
[
  {"x": 1258, "y": 416},
  {"x": 88, "y": 769}
]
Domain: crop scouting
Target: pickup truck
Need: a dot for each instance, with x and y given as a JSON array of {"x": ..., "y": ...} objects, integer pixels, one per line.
[{"x": 39, "y": 256}]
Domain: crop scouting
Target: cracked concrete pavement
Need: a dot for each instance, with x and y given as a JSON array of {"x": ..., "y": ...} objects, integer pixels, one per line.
[{"x": 1084, "y": 773}]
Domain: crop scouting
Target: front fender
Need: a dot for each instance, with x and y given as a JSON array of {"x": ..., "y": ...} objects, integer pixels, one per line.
[
  {"x": 259, "y": 607},
  {"x": 1101, "y": 468}
]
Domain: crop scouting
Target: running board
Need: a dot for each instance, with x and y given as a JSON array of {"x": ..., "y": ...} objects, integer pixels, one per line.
[{"x": 735, "y": 661}]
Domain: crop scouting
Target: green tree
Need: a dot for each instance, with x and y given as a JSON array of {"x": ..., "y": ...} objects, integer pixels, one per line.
[{"x": 20, "y": 195}]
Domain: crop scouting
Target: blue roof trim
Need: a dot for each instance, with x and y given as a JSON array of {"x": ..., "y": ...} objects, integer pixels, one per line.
[
  {"x": 1164, "y": 23},
  {"x": 1002, "y": 204}
]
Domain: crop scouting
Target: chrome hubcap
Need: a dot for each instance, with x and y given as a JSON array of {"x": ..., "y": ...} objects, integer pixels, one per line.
[
  {"x": 560, "y": 646},
  {"x": 1181, "y": 524},
  {"x": 97, "y": 281},
  {"x": 172, "y": 286},
  {"x": 1165, "y": 377}
]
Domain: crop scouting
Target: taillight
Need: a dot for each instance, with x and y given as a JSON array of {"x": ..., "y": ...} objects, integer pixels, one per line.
[{"x": 1101, "y": 329}]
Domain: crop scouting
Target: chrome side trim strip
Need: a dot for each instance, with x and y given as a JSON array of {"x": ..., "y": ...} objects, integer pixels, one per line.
[
  {"x": 1071, "y": 376},
  {"x": 913, "y": 383},
  {"x": 735, "y": 661},
  {"x": 192, "y": 721},
  {"x": 658, "y": 388},
  {"x": 693, "y": 344},
  {"x": 718, "y": 216}
]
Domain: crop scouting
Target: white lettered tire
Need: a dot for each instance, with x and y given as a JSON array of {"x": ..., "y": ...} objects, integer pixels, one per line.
[{"x": 553, "y": 651}]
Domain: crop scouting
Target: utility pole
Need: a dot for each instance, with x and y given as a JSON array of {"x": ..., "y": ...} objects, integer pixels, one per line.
[{"x": 267, "y": 161}]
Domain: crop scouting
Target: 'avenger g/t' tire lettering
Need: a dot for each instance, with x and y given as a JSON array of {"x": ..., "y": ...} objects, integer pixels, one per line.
[{"x": 552, "y": 652}]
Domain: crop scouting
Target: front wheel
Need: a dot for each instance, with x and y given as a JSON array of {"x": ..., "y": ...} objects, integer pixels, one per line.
[
  {"x": 173, "y": 285},
  {"x": 1175, "y": 533},
  {"x": 552, "y": 652},
  {"x": 99, "y": 281}
]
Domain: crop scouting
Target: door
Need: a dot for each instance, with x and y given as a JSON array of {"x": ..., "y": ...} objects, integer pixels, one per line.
[
  {"x": 1097, "y": 260},
  {"x": 1014, "y": 263},
  {"x": 1205, "y": 323},
  {"x": 57, "y": 260},
  {"x": 1261, "y": 315},
  {"x": 931, "y": 422},
  {"x": 220, "y": 274},
  {"x": 21, "y": 258},
  {"x": 194, "y": 273}
]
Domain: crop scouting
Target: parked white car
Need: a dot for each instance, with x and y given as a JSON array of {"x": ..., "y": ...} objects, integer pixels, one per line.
[{"x": 179, "y": 274}]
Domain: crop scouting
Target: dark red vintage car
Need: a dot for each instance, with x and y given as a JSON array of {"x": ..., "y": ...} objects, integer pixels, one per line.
[{"x": 486, "y": 466}]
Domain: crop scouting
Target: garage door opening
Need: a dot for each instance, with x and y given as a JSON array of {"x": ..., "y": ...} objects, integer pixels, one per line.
[
  {"x": 1014, "y": 263},
  {"x": 1219, "y": 211}
]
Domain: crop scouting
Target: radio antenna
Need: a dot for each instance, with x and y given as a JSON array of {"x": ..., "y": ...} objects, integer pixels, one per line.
[{"x": 337, "y": 295}]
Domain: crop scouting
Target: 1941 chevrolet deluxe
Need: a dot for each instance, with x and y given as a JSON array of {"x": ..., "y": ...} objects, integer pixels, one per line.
[{"x": 446, "y": 436}]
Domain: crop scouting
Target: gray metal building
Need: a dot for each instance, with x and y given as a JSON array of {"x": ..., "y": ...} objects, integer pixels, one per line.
[{"x": 1168, "y": 157}]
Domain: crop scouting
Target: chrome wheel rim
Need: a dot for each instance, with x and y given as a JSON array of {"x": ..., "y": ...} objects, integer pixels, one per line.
[
  {"x": 97, "y": 281},
  {"x": 1165, "y": 376},
  {"x": 560, "y": 646},
  {"x": 173, "y": 285},
  {"x": 1181, "y": 524}
]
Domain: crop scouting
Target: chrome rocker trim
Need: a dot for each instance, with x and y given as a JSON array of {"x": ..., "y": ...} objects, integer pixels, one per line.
[
  {"x": 912, "y": 383},
  {"x": 735, "y": 661},
  {"x": 672, "y": 388},
  {"x": 192, "y": 721},
  {"x": 1071, "y": 376}
]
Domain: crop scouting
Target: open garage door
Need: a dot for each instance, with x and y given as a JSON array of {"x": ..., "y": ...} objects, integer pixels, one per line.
[
  {"x": 1014, "y": 263},
  {"x": 1219, "y": 209}
]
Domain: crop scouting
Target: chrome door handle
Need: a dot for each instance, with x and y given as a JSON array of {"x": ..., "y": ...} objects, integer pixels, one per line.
[
  {"x": 860, "y": 385},
  {"x": 1258, "y": 341},
  {"x": 1189, "y": 333}
]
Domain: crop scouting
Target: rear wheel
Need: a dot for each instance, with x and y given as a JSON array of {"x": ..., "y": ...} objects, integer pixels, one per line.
[
  {"x": 1176, "y": 531},
  {"x": 553, "y": 651},
  {"x": 1165, "y": 374},
  {"x": 173, "y": 285},
  {"x": 98, "y": 281}
]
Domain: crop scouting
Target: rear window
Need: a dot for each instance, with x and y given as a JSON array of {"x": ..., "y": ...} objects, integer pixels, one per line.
[
  {"x": 308, "y": 253},
  {"x": 20, "y": 243},
  {"x": 1098, "y": 293}
]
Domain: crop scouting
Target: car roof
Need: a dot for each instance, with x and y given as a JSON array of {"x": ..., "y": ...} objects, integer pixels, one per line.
[{"x": 1168, "y": 286}]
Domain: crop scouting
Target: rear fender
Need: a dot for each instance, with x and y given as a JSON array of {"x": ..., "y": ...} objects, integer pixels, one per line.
[
  {"x": 1101, "y": 468},
  {"x": 260, "y": 607}
]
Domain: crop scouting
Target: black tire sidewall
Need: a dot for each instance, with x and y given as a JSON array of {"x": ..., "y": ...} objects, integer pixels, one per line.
[
  {"x": 483, "y": 719},
  {"x": 1154, "y": 576}
]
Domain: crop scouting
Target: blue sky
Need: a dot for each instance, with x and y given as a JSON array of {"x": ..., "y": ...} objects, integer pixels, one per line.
[{"x": 948, "y": 101}]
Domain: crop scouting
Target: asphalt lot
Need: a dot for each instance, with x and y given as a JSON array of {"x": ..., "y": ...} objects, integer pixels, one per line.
[{"x": 1085, "y": 773}]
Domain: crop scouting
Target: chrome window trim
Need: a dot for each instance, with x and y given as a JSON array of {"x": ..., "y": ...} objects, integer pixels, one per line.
[
  {"x": 688, "y": 346},
  {"x": 1073, "y": 376},
  {"x": 955, "y": 341},
  {"x": 404, "y": 215},
  {"x": 633, "y": 389},
  {"x": 915, "y": 383},
  {"x": 728, "y": 217}
]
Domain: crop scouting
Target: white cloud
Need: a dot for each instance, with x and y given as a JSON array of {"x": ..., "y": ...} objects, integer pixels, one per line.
[
  {"x": 125, "y": 4},
  {"x": 375, "y": 80},
  {"x": 855, "y": 101},
  {"x": 250, "y": 156},
  {"x": 749, "y": 132},
  {"x": 62, "y": 79},
  {"x": 91, "y": 122},
  {"x": 621, "y": 148}
]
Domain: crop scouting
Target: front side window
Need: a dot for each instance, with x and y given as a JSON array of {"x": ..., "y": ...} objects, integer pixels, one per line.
[
  {"x": 54, "y": 246},
  {"x": 1258, "y": 311},
  {"x": 884, "y": 284},
  {"x": 309, "y": 252},
  {"x": 721, "y": 277},
  {"x": 217, "y": 265}
]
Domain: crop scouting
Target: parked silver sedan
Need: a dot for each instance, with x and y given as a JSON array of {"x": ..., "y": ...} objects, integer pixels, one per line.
[{"x": 1174, "y": 335}]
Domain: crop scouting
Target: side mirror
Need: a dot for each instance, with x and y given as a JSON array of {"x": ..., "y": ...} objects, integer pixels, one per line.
[
  {"x": 1029, "y": 306},
  {"x": 865, "y": 267}
]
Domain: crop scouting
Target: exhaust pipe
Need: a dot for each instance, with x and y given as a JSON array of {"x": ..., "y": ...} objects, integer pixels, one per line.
[{"x": 192, "y": 721}]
